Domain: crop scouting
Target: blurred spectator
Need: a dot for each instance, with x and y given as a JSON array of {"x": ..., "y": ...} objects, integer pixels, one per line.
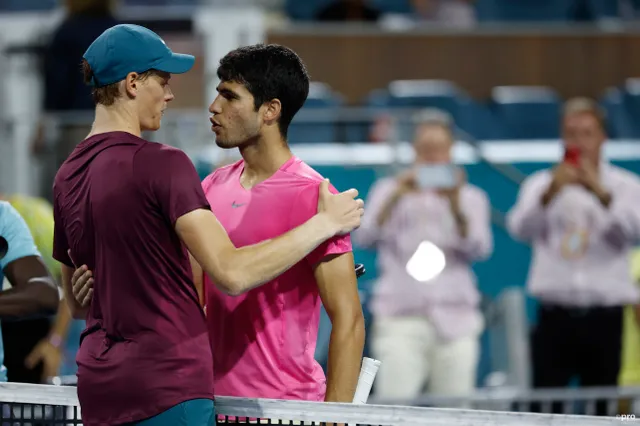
[
  {"x": 581, "y": 218},
  {"x": 31, "y": 287},
  {"x": 451, "y": 13},
  {"x": 630, "y": 360},
  {"x": 348, "y": 10},
  {"x": 64, "y": 89},
  {"x": 426, "y": 304},
  {"x": 34, "y": 348}
]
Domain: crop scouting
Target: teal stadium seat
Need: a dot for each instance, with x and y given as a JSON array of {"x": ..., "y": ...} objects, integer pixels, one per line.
[
  {"x": 305, "y": 10},
  {"x": 316, "y": 121},
  {"x": 631, "y": 96},
  {"x": 524, "y": 10},
  {"x": 527, "y": 112},
  {"x": 618, "y": 116},
  {"x": 27, "y": 5},
  {"x": 471, "y": 117}
]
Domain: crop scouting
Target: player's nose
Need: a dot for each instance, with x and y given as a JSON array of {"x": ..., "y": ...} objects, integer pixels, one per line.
[{"x": 214, "y": 108}]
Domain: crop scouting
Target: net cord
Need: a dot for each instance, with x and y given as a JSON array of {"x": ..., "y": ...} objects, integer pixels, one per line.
[{"x": 325, "y": 412}]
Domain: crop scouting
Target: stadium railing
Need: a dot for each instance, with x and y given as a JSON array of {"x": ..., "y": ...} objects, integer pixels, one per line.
[{"x": 44, "y": 405}]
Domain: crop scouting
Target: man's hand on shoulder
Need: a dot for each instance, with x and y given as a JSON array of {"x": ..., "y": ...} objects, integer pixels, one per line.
[{"x": 341, "y": 212}]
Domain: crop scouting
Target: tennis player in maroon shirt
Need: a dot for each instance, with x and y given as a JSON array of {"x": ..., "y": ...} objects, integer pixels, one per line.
[{"x": 129, "y": 210}]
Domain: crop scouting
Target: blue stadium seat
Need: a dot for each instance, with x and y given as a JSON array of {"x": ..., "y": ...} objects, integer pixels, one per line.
[
  {"x": 471, "y": 117},
  {"x": 441, "y": 94},
  {"x": 304, "y": 10},
  {"x": 603, "y": 9},
  {"x": 360, "y": 130},
  {"x": 393, "y": 6},
  {"x": 527, "y": 112},
  {"x": 631, "y": 96},
  {"x": 523, "y": 10},
  {"x": 27, "y": 5},
  {"x": 619, "y": 123},
  {"x": 310, "y": 127}
]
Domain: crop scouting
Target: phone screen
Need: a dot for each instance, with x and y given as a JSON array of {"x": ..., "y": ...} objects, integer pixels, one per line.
[
  {"x": 572, "y": 156},
  {"x": 437, "y": 176}
]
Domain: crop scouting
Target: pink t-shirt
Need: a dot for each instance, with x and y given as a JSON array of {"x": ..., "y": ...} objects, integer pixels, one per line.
[{"x": 263, "y": 341}]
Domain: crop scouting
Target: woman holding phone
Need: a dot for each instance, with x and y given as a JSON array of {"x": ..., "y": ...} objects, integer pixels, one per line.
[{"x": 428, "y": 225}]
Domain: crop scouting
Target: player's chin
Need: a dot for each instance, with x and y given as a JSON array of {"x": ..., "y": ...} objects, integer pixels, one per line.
[
  {"x": 223, "y": 143},
  {"x": 153, "y": 125}
]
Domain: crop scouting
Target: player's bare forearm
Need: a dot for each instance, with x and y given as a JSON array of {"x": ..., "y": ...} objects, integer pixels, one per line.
[
  {"x": 237, "y": 270},
  {"x": 76, "y": 309},
  {"x": 61, "y": 325},
  {"x": 338, "y": 287},
  {"x": 33, "y": 289},
  {"x": 345, "y": 358}
]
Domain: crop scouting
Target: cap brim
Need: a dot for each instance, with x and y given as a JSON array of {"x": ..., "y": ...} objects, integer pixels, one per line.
[{"x": 177, "y": 63}]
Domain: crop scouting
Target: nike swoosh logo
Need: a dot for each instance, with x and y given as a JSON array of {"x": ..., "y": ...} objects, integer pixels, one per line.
[{"x": 235, "y": 206}]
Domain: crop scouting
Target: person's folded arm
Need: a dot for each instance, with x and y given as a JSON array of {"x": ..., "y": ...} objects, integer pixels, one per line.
[
  {"x": 477, "y": 242},
  {"x": 622, "y": 215},
  {"x": 34, "y": 290},
  {"x": 527, "y": 220},
  {"x": 374, "y": 226}
]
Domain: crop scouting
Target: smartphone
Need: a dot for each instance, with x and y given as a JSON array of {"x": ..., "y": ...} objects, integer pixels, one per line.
[
  {"x": 434, "y": 176},
  {"x": 572, "y": 155}
]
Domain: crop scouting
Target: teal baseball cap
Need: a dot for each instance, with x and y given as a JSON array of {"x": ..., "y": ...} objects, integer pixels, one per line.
[{"x": 129, "y": 48}]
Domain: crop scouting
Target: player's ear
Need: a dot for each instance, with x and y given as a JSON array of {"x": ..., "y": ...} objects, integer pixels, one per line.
[
  {"x": 272, "y": 110},
  {"x": 131, "y": 82}
]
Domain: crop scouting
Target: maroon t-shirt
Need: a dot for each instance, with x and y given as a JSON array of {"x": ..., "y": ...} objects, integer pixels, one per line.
[{"x": 146, "y": 347}]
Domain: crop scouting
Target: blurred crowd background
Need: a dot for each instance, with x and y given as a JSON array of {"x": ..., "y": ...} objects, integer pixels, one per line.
[{"x": 467, "y": 292}]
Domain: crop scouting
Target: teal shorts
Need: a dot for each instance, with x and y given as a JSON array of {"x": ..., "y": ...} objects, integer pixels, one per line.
[{"x": 197, "y": 412}]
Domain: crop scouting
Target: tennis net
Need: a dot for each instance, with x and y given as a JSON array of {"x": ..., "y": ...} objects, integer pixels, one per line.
[{"x": 46, "y": 405}]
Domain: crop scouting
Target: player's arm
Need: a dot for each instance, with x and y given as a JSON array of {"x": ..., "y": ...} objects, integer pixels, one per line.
[
  {"x": 62, "y": 253},
  {"x": 237, "y": 270},
  {"x": 527, "y": 220},
  {"x": 177, "y": 191},
  {"x": 77, "y": 285},
  {"x": 198, "y": 279},
  {"x": 33, "y": 290},
  {"x": 338, "y": 287}
]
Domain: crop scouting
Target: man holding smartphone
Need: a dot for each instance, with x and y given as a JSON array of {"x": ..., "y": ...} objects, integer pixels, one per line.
[
  {"x": 582, "y": 219},
  {"x": 427, "y": 329}
]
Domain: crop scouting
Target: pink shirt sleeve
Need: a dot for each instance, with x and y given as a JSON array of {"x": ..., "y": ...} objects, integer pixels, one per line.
[{"x": 304, "y": 208}]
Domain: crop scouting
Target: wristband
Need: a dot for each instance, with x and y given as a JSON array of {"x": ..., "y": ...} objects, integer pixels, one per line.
[{"x": 55, "y": 340}]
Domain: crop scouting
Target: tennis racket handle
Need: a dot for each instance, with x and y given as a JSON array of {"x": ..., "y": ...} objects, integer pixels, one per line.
[{"x": 368, "y": 373}]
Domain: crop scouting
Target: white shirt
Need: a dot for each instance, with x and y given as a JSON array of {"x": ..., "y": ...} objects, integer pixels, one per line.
[{"x": 580, "y": 248}]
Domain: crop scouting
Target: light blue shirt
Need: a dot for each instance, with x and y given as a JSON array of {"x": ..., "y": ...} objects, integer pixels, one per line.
[{"x": 14, "y": 229}]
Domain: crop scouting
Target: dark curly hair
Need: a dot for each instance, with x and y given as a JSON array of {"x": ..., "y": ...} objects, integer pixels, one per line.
[{"x": 269, "y": 72}]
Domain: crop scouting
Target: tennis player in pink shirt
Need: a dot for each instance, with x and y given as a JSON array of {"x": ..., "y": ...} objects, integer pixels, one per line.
[{"x": 263, "y": 341}]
